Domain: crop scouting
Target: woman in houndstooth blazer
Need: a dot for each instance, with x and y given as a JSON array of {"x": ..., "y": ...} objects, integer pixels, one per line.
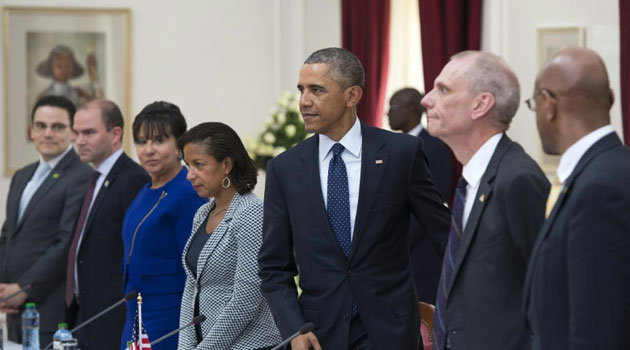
[{"x": 220, "y": 255}]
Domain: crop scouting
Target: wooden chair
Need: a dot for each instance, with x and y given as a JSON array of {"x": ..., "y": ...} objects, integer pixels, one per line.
[{"x": 426, "y": 324}]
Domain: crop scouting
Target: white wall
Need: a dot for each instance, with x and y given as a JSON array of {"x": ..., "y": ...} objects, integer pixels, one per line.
[
  {"x": 509, "y": 30},
  {"x": 217, "y": 60}
]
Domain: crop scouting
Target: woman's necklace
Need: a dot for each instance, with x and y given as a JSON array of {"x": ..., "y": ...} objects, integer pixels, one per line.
[{"x": 215, "y": 213}]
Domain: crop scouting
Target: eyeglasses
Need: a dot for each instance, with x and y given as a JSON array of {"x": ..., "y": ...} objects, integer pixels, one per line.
[
  {"x": 55, "y": 127},
  {"x": 531, "y": 102}
]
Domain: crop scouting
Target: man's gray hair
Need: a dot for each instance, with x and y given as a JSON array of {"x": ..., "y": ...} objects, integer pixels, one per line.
[
  {"x": 490, "y": 73},
  {"x": 345, "y": 67}
]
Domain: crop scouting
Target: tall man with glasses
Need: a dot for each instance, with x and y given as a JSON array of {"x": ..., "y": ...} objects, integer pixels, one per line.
[
  {"x": 42, "y": 207},
  {"x": 497, "y": 210},
  {"x": 337, "y": 210},
  {"x": 577, "y": 292}
]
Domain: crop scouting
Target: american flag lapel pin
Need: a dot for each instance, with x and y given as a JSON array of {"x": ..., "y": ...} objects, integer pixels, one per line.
[
  {"x": 106, "y": 183},
  {"x": 379, "y": 161}
]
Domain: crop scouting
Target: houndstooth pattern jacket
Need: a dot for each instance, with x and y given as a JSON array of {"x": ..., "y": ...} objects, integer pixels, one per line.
[{"x": 238, "y": 316}]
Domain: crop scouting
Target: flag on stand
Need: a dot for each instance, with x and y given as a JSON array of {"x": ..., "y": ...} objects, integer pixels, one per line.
[{"x": 140, "y": 339}]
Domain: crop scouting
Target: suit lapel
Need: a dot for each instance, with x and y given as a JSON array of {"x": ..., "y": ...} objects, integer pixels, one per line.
[
  {"x": 608, "y": 141},
  {"x": 55, "y": 175},
  {"x": 481, "y": 198},
  {"x": 20, "y": 184},
  {"x": 216, "y": 236},
  {"x": 102, "y": 192},
  {"x": 371, "y": 176},
  {"x": 311, "y": 184}
]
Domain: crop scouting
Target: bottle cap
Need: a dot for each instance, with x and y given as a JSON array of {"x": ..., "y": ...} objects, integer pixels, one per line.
[
  {"x": 128, "y": 343},
  {"x": 63, "y": 325},
  {"x": 30, "y": 305}
]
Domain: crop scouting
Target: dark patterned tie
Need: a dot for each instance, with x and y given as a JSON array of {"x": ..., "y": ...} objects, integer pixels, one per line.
[
  {"x": 338, "y": 205},
  {"x": 72, "y": 253},
  {"x": 448, "y": 264}
]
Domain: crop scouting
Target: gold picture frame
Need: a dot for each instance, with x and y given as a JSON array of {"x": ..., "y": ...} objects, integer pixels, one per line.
[
  {"x": 95, "y": 42},
  {"x": 550, "y": 40}
]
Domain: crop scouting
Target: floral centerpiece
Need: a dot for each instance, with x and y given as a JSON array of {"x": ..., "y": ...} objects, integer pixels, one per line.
[{"x": 284, "y": 129}]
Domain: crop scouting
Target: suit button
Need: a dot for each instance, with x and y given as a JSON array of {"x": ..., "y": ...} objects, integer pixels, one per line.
[
  {"x": 346, "y": 317},
  {"x": 349, "y": 274}
]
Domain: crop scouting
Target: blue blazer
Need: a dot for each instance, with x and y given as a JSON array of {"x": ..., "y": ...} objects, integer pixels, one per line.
[
  {"x": 577, "y": 291},
  {"x": 395, "y": 183},
  {"x": 155, "y": 231}
]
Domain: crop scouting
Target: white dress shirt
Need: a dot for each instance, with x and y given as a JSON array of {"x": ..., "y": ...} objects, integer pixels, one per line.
[
  {"x": 415, "y": 131},
  {"x": 474, "y": 170},
  {"x": 351, "y": 156},
  {"x": 104, "y": 168},
  {"x": 573, "y": 154}
]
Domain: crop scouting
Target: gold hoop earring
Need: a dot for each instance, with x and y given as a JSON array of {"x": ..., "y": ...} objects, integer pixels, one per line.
[{"x": 223, "y": 183}]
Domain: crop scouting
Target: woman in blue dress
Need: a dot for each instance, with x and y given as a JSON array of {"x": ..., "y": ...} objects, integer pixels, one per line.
[{"x": 158, "y": 224}]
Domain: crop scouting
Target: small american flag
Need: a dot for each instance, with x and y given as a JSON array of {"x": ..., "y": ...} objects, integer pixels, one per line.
[{"x": 140, "y": 339}]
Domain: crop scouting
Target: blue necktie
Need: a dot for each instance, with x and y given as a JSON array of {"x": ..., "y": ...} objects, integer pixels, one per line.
[
  {"x": 446, "y": 279},
  {"x": 338, "y": 202},
  {"x": 338, "y": 205}
]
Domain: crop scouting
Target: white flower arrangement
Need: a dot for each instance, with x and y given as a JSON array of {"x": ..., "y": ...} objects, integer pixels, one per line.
[{"x": 283, "y": 129}]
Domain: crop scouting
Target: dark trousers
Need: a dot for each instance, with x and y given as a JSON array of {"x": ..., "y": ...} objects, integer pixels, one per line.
[
  {"x": 74, "y": 318},
  {"x": 358, "y": 339}
]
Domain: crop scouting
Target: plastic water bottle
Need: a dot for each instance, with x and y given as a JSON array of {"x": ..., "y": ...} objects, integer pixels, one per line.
[
  {"x": 30, "y": 328},
  {"x": 60, "y": 335}
]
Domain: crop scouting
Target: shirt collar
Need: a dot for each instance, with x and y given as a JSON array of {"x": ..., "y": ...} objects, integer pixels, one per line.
[
  {"x": 106, "y": 166},
  {"x": 416, "y": 130},
  {"x": 476, "y": 167},
  {"x": 52, "y": 163},
  {"x": 573, "y": 154},
  {"x": 351, "y": 141}
]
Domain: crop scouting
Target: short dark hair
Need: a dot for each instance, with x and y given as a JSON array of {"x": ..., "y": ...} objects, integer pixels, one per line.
[
  {"x": 110, "y": 113},
  {"x": 159, "y": 119},
  {"x": 345, "y": 67},
  {"x": 55, "y": 101},
  {"x": 220, "y": 141}
]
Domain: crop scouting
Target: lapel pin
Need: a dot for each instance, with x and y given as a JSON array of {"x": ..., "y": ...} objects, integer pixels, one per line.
[
  {"x": 106, "y": 184},
  {"x": 379, "y": 161},
  {"x": 55, "y": 176},
  {"x": 482, "y": 198}
]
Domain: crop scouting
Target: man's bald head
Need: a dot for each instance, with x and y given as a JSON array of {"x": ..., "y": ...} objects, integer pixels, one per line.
[
  {"x": 580, "y": 76},
  {"x": 573, "y": 98}
]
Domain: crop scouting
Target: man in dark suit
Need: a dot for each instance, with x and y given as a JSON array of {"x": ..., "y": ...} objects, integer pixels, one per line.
[
  {"x": 42, "y": 207},
  {"x": 337, "y": 210},
  {"x": 497, "y": 210},
  {"x": 94, "y": 275},
  {"x": 405, "y": 112},
  {"x": 577, "y": 292}
]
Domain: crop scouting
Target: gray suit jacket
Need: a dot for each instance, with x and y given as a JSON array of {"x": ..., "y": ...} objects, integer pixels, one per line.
[
  {"x": 226, "y": 282},
  {"x": 484, "y": 303},
  {"x": 33, "y": 250}
]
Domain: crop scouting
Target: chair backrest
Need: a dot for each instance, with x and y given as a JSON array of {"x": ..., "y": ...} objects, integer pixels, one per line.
[{"x": 426, "y": 324}]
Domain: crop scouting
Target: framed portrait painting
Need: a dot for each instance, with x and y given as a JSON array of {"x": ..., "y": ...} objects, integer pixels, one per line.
[
  {"x": 82, "y": 54},
  {"x": 550, "y": 41}
]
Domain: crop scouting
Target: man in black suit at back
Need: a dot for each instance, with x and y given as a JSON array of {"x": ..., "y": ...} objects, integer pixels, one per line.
[
  {"x": 405, "y": 112},
  {"x": 94, "y": 275}
]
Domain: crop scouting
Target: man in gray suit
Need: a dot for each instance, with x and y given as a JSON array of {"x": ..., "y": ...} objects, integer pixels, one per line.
[
  {"x": 497, "y": 210},
  {"x": 42, "y": 208}
]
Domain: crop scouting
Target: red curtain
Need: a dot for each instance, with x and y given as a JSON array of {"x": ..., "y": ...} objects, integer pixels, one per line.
[
  {"x": 365, "y": 26},
  {"x": 448, "y": 27},
  {"x": 624, "y": 45}
]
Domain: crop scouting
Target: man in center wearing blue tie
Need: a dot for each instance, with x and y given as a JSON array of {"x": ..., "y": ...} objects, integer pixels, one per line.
[
  {"x": 337, "y": 210},
  {"x": 498, "y": 207}
]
